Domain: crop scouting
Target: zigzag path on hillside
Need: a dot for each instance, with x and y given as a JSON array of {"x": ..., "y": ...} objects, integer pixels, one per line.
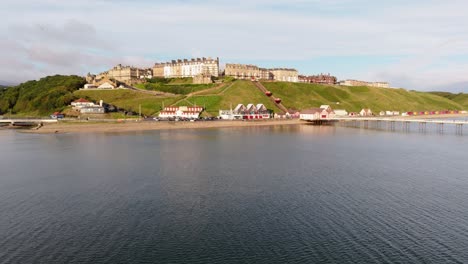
[
  {"x": 272, "y": 98},
  {"x": 157, "y": 93},
  {"x": 187, "y": 96}
]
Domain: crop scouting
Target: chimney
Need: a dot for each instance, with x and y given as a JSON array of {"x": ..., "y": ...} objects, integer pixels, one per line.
[{"x": 101, "y": 102}]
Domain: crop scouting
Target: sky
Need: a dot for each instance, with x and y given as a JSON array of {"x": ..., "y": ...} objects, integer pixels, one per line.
[{"x": 414, "y": 44}]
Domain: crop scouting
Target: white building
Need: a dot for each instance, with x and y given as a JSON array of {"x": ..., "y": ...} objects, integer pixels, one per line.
[
  {"x": 250, "y": 111},
  {"x": 77, "y": 104},
  {"x": 86, "y": 107},
  {"x": 187, "y": 68},
  {"x": 317, "y": 113},
  {"x": 191, "y": 112}
]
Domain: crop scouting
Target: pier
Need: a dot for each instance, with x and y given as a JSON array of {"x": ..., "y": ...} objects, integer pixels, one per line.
[{"x": 403, "y": 124}]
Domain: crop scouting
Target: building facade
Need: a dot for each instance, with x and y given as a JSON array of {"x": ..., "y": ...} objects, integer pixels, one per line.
[
  {"x": 321, "y": 79},
  {"x": 125, "y": 74},
  {"x": 250, "y": 111},
  {"x": 190, "y": 112},
  {"x": 187, "y": 68},
  {"x": 248, "y": 71},
  {"x": 86, "y": 107},
  {"x": 323, "y": 112}
]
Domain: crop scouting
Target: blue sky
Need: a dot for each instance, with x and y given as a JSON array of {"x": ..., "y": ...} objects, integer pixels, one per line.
[{"x": 420, "y": 45}]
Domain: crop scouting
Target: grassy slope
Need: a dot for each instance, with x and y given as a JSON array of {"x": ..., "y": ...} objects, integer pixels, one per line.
[
  {"x": 294, "y": 95},
  {"x": 129, "y": 100},
  {"x": 174, "y": 85},
  {"x": 40, "y": 97},
  {"x": 460, "y": 98},
  {"x": 302, "y": 96},
  {"x": 241, "y": 92}
]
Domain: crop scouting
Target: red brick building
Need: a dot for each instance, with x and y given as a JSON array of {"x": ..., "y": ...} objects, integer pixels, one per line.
[{"x": 321, "y": 78}]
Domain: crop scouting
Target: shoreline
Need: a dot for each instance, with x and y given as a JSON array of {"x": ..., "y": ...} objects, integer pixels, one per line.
[{"x": 137, "y": 126}]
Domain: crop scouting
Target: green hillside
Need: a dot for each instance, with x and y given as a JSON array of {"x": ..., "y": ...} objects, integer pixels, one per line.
[
  {"x": 129, "y": 100},
  {"x": 238, "y": 92},
  {"x": 302, "y": 96},
  {"x": 175, "y": 85},
  {"x": 52, "y": 93},
  {"x": 460, "y": 98}
]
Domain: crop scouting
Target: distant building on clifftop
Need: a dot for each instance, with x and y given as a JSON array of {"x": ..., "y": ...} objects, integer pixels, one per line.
[
  {"x": 321, "y": 79},
  {"x": 364, "y": 83},
  {"x": 123, "y": 74},
  {"x": 187, "y": 68},
  {"x": 248, "y": 71}
]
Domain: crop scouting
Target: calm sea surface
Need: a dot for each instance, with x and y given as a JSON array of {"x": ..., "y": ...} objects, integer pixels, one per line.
[{"x": 286, "y": 194}]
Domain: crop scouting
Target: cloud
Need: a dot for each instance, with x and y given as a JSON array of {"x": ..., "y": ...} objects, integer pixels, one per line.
[{"x": 94, "y": 35}]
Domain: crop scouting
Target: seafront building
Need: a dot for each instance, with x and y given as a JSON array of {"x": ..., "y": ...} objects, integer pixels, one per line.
[
  {"x": 250, "y": 111},
  {"x": 187, "y": 68},
  {"x": 87, "y": 107},
  {"x": 322, "y": 112},
  {"x": 191, "y": 112},
  {"x": 253, "y": 72}
]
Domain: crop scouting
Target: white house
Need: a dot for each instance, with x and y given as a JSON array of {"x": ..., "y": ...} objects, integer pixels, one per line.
[
  {"x": 77, "y": 104},
  {"x": 310, "y": 114},
  {"x": 383, "y": 113},
  {"x": 86, "y": 107},
  {"x": 316, "y": 114},
  {"x": 365, "y": 112}
]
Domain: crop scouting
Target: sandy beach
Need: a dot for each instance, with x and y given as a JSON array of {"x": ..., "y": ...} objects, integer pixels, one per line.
[{"x": 129, "y": 126}]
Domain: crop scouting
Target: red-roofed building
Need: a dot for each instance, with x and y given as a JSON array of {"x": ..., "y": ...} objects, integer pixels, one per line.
[
  {"x": 181, "y": 111},
  {"x": 81, "y": 103}
]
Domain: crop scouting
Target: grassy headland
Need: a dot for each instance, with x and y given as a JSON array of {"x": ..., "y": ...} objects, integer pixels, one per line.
[
  {"x": 460, "y": 98},
  {"x": 303, "y": 95},
  {"x": 129, "y": 100},
  {"x": 36, "y": 98},
  {"x": 174, "y": 85},
  {"x": 54, "y": 93}
]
